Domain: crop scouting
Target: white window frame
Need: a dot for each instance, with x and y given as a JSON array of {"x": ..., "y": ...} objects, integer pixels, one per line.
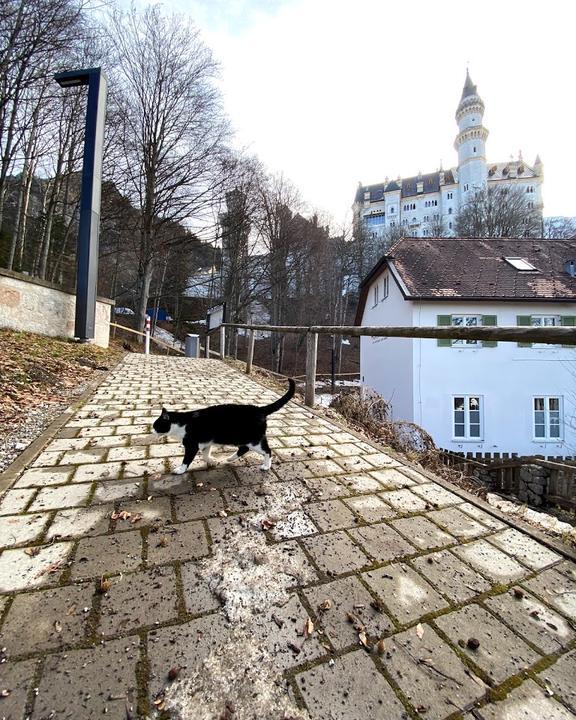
[
  {"x": 520, "y": 264},
  {"x": 375, "y": 294},
  {"x": 385, "y": 288},
  {"x": 547, "y": 417},
  {"x": 539, "y": 321},
  {"x": 466, "y": 343},
  {"x": 467, "y": 437}
]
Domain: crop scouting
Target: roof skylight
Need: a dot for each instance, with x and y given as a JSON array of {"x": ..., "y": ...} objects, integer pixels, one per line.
[{"x": 520, "y": 264}]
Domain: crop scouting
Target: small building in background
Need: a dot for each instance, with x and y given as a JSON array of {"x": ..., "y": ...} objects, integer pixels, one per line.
[{"x": 473, "y": 396}]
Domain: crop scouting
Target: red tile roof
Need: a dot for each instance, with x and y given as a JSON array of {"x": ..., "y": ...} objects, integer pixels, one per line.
[{"x": 475, "y": 269}]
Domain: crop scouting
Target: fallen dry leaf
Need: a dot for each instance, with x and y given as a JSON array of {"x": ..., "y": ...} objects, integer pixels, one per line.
[
  {"x": 71, "y": 609},
  {"x": 5, "y": 693},
  {"x": 33, "y": 551},
  {"x": 155, "y": 476},
  {"x": 122, "y": 515},
  {"x": 325, "y": 605},
  {"x": 58, "y": 626},
  {"x": 163, "y": 542},
  {"x": 136, "y": 518},
  {"x": 52, "y": 568},
  {"x": 381, "y": 646},
  {"x": 267, "y": 524},
  {"x": 173, "y": 673},
  {"x": 308, "y": 628},
  {"x": 363, "y": 639},
  {"x": 104, "y": 585},
  {"x": 420, "y": 631}
]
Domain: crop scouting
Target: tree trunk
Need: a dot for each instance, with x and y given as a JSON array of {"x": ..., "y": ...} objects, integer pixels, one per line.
[{"x": 144, "y": 281}]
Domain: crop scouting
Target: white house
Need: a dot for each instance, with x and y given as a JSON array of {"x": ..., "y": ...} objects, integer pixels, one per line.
[
  {"x": 425, "y": 203},
  {"x": 474, "y": 396}
]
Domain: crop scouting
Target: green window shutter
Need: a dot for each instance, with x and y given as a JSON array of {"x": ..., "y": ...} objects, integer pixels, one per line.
[
  {"x": 568, "y": 321},
  {"x": 524, "y": 321},
  {"x": 489, "y": 321},
  {"x": 442, "y": 321}
]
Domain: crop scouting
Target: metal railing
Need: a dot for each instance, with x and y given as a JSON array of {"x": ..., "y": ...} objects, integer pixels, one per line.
[{"x": 548, "y": 335}]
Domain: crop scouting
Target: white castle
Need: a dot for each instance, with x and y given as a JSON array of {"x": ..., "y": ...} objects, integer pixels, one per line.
[{"x": 427, "y": 205}]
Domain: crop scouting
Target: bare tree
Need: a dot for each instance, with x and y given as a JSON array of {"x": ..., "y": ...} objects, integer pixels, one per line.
[
  {"x": 499, "y": 211},
  {"x": 173, "y": 128},
  {"x": 560, "y": 228}
]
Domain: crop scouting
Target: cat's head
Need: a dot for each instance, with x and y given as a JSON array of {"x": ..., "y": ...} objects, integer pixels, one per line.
[{"x": 162, "y": 424}]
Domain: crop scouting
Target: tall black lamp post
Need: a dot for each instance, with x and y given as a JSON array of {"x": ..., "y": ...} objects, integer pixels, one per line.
[{"x": 87, "y": 247}]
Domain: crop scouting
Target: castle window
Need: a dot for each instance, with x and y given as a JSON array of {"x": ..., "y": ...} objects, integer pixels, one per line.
[
  {"x": 450, "y": 226},
  {"x": 466, "y": 187},
  {"x": 391, "y": 211},
  {"x": 450, "y": 211},
  {"x": 474, "y": 148},
  {"x": 449, "y": 196}
]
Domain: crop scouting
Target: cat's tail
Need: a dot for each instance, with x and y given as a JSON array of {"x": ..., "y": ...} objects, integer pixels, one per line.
[{"x": 273, "y": 407}]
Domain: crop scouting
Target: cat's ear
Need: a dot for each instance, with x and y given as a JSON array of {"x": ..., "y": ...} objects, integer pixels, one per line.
[{"x": 164, "y": 413}]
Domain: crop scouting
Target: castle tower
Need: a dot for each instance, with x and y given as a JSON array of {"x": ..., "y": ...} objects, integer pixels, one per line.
[{"x": 470, "y": 141}]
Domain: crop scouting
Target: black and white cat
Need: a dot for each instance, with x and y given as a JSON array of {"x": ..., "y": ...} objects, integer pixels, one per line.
[{"x": 240, "y": 425}]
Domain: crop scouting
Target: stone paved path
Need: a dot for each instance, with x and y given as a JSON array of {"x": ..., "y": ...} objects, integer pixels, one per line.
[{"x": 342, "y": 585}]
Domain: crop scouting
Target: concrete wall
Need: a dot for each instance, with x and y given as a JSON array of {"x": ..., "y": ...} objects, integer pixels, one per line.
[{"x": 33, "y": 305}]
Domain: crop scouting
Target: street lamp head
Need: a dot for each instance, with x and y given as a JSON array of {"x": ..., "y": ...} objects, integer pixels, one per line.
[{"x": 74, "y": 78}]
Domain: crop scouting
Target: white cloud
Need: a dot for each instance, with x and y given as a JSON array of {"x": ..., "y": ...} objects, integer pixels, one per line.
[{"x": 336, "y": 92}]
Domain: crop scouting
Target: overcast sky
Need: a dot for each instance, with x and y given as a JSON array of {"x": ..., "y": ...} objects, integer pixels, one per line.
[{"x": 334, "y": 92}]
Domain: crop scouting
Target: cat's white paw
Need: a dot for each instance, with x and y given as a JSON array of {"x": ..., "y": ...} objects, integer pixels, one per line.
[
  {"x": 180, "y": 470},
  {"x": 266, "y": 465}
]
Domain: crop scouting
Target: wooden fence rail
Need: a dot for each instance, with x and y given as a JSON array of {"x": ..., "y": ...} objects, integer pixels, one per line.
[{"x": 549, "y": 335}]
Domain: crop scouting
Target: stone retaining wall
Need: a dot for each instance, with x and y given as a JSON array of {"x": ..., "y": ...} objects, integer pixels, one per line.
[{"x": 34, "y": 305}]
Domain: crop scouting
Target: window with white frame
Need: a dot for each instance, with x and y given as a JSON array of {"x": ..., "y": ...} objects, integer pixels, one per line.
[
  {"x": 547, "y": 418},
  {"x": 544, "y": 321},
  {"x": 375, "y": 294},
  {"x": 466, "y": 321},
  {"x": 384, "y": 288},
  {"x": 467, "y": 417}
]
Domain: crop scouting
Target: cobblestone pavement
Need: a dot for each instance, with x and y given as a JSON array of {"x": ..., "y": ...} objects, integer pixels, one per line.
[{"x": 340, "y": 585}]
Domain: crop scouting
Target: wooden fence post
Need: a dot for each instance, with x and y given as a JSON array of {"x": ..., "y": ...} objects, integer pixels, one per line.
[
  {"x": 207, "y": 346},
  {"x": 311, "y": 354},
  {"x": 222, "y": 342},
  {"x": 250, "y": 355}
]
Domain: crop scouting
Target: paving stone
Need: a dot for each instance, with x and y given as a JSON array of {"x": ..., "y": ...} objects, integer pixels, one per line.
[
  {"x": 422, "y": 533},
  {"x": 60, "y": 497},
  {"x": 491, "y": 562},
  {"x": 19, "y": 571},
  {"x": 17, "y": 677},
  {"x": 557, "y": 587},
  {"x": 457, "y": 523},
  {"x": 14, "y": 501},
  {"x": 322, "y": 468},
  {"x": 223, "y": 527},
  {"x": 331, "y": 515},
  {"x": 67, "y": 444},
  {"x": 382, "y": 542},
  {"x": 414, "y": 475},
  {"x": 101, "y": 471},
  {"x": 350, "y": 689},
  {"x": 92, "y": 432},
  {"x": 524, "y": 548},
  {"x": 392, "y": 479},
  {"x": 89, "y": 683},
  {"x": 142, "y": 429},
  {"x": 347, "y": 595},
  {"x": 346, "y": 449},
  {"x": 527, "y": 702},
  {"x": 325, "y": 488},
  {"x": 77, "y": 522},
  {"x": 142, "y": 468},
  {"x": 47, "y": 459},
  {"x": 450, "y": 575},
  {"x": 46, "y": 620},
  {"x": 561, "y": 678},
  {"x": 295, "y": 524},
  {"x": 83, "y": 457},
  {"x": 186, "y": 646},
  {"x": 532, "y": 620},
  {"x": 219, "y": 477},
  {"x": 281, "y": 629},
  {"x": 105, "y": 555},
  {"x": 436, "y": 495},
  {"x": 404, "y": 501},
  {"x": 335, "y": 553},
  {"x": 292, "y": 470},
  {"x": 41, "y": 477},
  {"x": 380, "y": 460},
  {"x": 198, "y": 505},
  {"x": 501, "y": 653},
  {"x": 140, "y": 599},
  {"x": 370, "y": 508},
  {"x": 183, "y": 541},
  {"x": 430, "y": 674},
  {"x": 127, "y": 453},
  {"x": 407, "y": 595},
  {"x": 21, "y": 529},
  {"x": 253, "y": 475},
  {"x": 160, "y": 451},
  {"x": 361, "y": 483},
  {"x": 113, "y": 491},
  {"x": 354, "y": 464},
  {"x": 144, "y": 512},
  {"x": 171, "y": 485},
  {"x": 198, "y": 596}
]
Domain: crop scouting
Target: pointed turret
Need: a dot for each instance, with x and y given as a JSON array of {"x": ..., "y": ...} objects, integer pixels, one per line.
[
  {"x": 469, "y": 96},
  {"x": 471, "y": 140},
  {"x": 538, "y": 166}
]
